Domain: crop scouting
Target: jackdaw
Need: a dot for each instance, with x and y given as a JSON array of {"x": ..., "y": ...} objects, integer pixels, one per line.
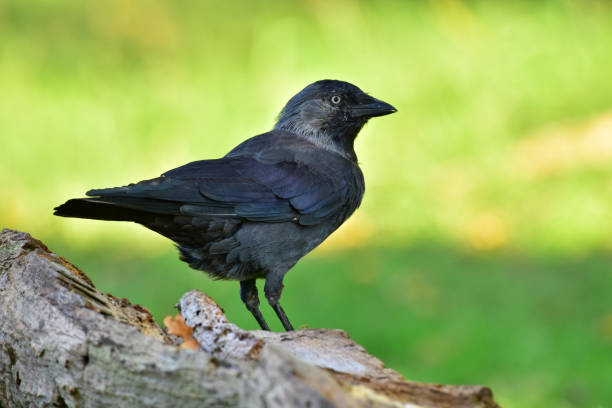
[{"x": 256, "y": 211}]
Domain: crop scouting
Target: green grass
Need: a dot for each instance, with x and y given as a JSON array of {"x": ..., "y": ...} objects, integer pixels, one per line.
[
  {"x": 531, "y": 327},
  {"x": 101, "y": 94},
  {"x": 498, "y": 158}
]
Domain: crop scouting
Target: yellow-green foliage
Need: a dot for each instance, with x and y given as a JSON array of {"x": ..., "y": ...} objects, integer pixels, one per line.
[
  {"x": 501, "y": 138},
  {"x": 488, "y": 206}
]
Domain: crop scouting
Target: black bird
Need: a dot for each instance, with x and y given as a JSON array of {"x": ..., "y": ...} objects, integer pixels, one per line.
[{"x": 272, "y": 199}]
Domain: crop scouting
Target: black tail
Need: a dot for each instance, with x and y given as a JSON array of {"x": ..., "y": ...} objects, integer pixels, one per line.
[
  {"x": 85, "y": 208},
  {"x": 116, "y": 209}
]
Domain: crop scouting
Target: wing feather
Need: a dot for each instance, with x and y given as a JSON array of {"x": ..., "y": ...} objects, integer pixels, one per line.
[{"x": 271, "y": 187}]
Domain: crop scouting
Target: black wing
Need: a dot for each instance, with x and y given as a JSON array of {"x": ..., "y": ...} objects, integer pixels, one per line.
[{"x": 273, "y": 186}]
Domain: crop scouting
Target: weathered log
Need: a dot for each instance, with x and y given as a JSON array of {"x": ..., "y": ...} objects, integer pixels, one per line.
[{"x": 63, "y": 343}]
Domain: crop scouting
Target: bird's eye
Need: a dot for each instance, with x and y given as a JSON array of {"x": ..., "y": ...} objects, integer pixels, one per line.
[{"x": 336, "y": 99}]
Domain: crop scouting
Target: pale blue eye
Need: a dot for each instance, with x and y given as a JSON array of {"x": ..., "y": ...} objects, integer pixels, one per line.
[{"x": 336, "y": 99}]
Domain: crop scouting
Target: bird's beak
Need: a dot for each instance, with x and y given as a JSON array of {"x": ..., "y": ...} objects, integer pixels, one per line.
[{"x": 372, "y": 109}]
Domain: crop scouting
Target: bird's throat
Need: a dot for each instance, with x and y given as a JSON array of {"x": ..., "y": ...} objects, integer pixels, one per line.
[{"x": 339, "y": 141}]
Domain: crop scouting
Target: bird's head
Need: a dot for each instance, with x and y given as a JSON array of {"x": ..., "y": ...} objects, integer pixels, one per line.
[{"x": 331, "y": 113}]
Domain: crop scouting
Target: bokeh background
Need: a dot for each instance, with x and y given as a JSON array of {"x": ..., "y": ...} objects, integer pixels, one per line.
[{"x": 483, "y": 249}]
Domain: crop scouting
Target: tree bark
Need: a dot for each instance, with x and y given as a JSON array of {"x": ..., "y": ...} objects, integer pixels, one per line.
[{"x": 63, "y": 343}]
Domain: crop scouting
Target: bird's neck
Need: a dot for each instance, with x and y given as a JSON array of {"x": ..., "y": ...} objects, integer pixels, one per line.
[{"x": 339, "y": 141}]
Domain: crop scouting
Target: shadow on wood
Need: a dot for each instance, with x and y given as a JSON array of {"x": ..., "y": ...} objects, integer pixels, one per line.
[{"x": 65, "y": 344}]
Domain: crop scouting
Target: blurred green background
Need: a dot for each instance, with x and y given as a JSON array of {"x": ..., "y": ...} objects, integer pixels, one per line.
[{"x": 483, "y": 250}]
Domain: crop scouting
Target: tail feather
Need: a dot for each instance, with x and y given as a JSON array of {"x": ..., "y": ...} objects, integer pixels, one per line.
[{"x": 116, "y": 209}]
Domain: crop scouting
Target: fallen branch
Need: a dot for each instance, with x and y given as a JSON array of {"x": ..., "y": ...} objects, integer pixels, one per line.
[{"x": 65, "y": 344}]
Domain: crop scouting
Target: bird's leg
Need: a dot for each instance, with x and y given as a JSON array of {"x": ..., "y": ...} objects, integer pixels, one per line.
[
  {"x": 273, "y": 290},
  {"x": 248, "y": 294}
]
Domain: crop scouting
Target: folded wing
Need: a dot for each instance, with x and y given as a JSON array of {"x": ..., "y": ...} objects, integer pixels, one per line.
[{"x": 267, "y": 187}]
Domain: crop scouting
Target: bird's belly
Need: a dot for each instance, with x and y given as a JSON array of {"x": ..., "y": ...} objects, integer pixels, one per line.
[
  {"x": 256, "y": 249},
  {"x": 277, "y": 246}
]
